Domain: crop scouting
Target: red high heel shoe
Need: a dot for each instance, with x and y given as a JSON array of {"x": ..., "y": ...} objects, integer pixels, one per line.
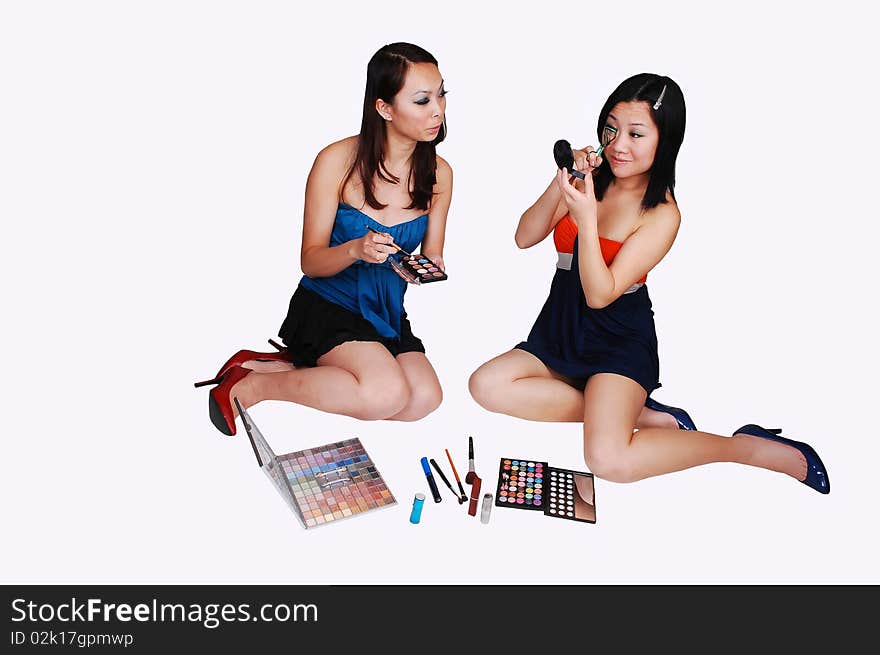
[
  {"x": 243, "y": 356},
  {"x": 219, "y": 402}
]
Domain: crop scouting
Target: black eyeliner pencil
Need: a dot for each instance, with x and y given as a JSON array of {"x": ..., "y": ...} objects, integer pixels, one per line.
[{"x": 443, "y": 477}]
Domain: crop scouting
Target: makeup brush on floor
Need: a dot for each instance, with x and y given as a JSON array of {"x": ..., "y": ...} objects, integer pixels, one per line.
[
  {"x": 471, "y": 474},
  {"x": 457, "y": 479},
  {"x": 443, "y": 477}
]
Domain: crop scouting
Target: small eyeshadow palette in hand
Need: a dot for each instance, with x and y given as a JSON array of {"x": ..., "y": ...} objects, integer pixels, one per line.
[
  {"x": 559, "y": 493},
  {"x": 418, "y": 269}
]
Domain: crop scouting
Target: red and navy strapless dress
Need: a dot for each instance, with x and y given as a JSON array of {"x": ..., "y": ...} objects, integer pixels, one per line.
[{"x": 578, "y": 341}]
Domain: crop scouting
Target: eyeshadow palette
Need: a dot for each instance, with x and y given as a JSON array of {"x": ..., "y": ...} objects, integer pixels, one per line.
[
  {"x": 571, "y": 495},
  {"x": 521, "y": 484},
  {"x": 322, "y": 484},
  {"x": 418, "y": 269},
  {"x": 558, "y": 493}
]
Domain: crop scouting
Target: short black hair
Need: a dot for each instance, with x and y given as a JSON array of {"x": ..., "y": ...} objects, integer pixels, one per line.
[{"x": 669, "y": 118}]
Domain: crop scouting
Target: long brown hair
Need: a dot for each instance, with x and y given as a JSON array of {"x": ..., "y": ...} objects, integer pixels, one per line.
[{"x": 386, "y": 74}]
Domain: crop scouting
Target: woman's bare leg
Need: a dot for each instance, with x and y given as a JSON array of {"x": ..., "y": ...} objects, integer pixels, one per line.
[
  {"x": 268, "y": 367},
  {"x": 425, "y": 394},
  {"x": 357, "y": 378},
  {"x": 519, "y": 384},
  {"x": 614, "y": 452}
]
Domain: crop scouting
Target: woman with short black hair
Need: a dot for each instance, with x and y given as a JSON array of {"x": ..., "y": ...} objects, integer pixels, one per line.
[{"x": 591, "y": 355}]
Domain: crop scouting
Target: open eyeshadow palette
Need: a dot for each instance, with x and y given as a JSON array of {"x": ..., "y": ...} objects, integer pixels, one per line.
[
  {"x": 560, "y": 493},
  {"x": 418, "y": 269},
  {"x": 322, "y": 484}
]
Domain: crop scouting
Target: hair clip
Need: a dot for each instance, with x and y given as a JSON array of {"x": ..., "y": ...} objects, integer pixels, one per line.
[{"x": 660, "y": 98}]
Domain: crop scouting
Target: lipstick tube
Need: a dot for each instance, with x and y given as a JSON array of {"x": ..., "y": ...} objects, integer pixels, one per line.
[
  {"x": 431, "y": 483},
  {"x": 475, "y": 496}
]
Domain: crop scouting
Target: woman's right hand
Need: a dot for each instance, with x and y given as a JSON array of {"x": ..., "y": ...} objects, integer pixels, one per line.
[
  {"x": 372, "y": 248},
  {"x": 586, "y": 160}
]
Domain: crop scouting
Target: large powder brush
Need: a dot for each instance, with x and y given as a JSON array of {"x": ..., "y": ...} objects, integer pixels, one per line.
[{"x": 471, "y": 474}]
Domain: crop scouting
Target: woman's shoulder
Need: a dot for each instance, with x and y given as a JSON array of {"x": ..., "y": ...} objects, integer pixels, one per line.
[
  {"x": 443, "y": 166},
  {"x": 338, "y": 154},
  {"x": 665, "y": 213},
  {"x": 331, "y": 166},
  {"x": 444, "y": 170}
]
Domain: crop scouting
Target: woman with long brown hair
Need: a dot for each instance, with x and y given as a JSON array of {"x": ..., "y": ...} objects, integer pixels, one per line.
[{"x": 349, "y": 347}]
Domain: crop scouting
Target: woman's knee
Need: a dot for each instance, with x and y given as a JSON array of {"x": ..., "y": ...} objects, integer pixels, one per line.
[
  {"x": 486, "y": 387},
  {"x": 607, "y": 460},
  {"x": 382, "y": 396},
  {"x": 422, "y": 401}
]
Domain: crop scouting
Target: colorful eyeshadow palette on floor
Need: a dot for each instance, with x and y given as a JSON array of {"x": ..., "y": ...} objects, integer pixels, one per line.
[
  {"x": 418, "y": 269},
  {"x": 558, "y": 493},
  {"x": 322, "y": 484}
]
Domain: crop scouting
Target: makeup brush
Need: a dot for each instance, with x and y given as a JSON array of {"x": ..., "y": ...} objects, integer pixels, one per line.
[
  {"x": 471, "y": 474},
  {"x": 457, "y": 479},
  {"x": 443, "y": 477},
  {"x": 392, "y": 244}
]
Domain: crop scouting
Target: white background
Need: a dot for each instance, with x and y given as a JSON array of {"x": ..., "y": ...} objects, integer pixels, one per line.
[{"x": 152, "y": 167}]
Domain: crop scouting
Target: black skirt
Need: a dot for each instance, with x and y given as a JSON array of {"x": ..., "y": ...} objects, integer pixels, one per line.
[{"x": 314, "y": 326}]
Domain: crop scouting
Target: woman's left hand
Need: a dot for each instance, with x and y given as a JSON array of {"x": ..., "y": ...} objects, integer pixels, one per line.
[
  {"x": 402, "y": 276},
  {"x": 437, "y": 259},
  {"x": 582, "y": 205}
]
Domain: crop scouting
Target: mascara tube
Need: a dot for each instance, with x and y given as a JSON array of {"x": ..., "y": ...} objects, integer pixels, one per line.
[{"x": 431, "y": 483}]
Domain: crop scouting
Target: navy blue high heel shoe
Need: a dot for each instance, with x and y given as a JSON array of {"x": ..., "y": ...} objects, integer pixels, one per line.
[
  {"x": 684, "y": 421},
  {"x": 817, "y": 476}
]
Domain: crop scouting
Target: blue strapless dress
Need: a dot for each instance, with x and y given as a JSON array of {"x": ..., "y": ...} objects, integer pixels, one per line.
[{"x": 374, "y": 291}]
